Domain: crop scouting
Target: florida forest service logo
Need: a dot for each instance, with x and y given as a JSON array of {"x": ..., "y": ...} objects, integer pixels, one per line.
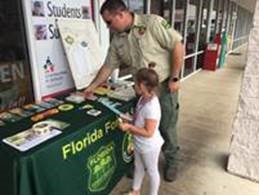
[
  {"x": 139, "y": 30},
  {"x": 101, "y": 166},
  {"x": 127, "y": 148}
]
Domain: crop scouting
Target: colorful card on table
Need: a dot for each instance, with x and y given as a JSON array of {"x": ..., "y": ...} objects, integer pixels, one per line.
[
  {"x": 33, "y": 108},
  {"x": 94, "y": 112},
  {"x": 77, "y": 99},
  {"x": 45, "y": 104},
  {"x": 101, "y": 90},
  {"x": 9, "y": 117},
  {"x": 54, "y": 101},
  {"x": 21, "y": 112}
]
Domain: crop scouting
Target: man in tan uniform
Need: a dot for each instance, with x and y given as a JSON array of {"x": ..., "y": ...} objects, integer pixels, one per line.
[{"x": 138, "y": 41}]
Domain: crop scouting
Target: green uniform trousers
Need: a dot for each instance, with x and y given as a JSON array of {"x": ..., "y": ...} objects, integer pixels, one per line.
[{"x": 170, "y": 109}]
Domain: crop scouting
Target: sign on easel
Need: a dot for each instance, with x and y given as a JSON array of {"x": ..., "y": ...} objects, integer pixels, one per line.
[{"x": 81, "y": 45}]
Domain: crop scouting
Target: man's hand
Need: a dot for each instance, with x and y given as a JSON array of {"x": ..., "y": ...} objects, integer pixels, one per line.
[
  {"x": 100, "y": 78},
  {"x": 173, "y": 86},
  {"x": 89, "y": 90}
]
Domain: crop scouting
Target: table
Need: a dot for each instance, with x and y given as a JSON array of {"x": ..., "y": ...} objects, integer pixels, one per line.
[{"x": 89, "y": 157}]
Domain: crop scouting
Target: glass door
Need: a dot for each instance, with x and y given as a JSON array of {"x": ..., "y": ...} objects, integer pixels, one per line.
[
  {"x": 179, "y": 16},
  {"x": 191, "y": 34},
  {"x": 136, "y": 6},
  {"x": 15, "y": 75}
]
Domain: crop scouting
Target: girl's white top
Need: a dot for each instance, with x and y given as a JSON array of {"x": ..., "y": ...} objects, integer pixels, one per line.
[{"x": 148, "y": 110}]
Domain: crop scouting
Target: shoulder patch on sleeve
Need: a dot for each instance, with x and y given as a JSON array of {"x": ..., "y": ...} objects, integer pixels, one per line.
[{"x": 165, "y": 24}]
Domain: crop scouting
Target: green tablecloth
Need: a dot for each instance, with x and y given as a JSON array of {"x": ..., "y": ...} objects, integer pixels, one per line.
[{"x": 89, "y": 157}]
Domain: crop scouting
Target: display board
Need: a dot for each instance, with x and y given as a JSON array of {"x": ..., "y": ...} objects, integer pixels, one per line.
[
  {"x": 81, "y": 45},
  {"x": 51, "y": 73}
]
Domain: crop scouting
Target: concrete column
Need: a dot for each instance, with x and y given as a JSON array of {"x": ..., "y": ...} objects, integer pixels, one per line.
[{"x": 244, "y": 148}]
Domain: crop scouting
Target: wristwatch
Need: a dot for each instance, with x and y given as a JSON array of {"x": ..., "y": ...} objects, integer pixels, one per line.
[{"x": 174, "y": 79}]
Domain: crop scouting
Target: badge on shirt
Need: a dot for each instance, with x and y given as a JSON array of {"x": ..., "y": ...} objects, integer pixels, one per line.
[{"x": 142, "y": 30}]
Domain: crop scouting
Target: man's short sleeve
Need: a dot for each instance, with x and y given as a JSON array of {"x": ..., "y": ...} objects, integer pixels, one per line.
[
  {"x": 165, "y": 34},
  {"x": 112, "y": 59}
]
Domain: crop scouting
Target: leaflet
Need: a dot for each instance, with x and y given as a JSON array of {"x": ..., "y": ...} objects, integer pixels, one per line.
[
  {"x": 27, "y": 139},
  {"x": 36, "y": 135}
]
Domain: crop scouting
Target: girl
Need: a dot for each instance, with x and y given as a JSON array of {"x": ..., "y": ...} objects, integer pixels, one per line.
[{"x": 147, "y": 138}]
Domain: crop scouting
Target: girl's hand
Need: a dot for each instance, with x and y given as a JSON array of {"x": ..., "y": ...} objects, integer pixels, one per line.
[{"x": 124, "y": 126}]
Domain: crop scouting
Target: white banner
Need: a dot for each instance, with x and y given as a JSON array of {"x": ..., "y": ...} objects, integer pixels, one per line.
[{"x": 51, "y": 73}]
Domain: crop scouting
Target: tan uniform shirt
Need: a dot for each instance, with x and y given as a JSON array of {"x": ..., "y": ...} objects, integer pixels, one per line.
[{"x": 150, "y": 40}]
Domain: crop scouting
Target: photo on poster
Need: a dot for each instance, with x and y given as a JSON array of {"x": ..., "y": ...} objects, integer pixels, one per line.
[
  {"x": 85, "y": 12},
  {"x": 81, "y": 44},
  {"x": 40, "y": 32},
  {"x": 37, "y": 8}
]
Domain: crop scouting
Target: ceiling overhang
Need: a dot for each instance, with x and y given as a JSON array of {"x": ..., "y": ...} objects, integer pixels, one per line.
[{"x": 247, "y": 4}]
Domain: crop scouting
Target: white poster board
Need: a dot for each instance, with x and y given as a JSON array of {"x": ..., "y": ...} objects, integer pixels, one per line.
[
  {"x": 51, "y": 73},
  {"x": 82, "y": 48}
]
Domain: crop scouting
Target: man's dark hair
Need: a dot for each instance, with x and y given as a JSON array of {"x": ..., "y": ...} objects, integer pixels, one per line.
[{"x": 113, "y": 6}]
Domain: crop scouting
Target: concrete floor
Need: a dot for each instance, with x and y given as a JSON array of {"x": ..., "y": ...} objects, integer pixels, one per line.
[{"x": 208, "y": 104}]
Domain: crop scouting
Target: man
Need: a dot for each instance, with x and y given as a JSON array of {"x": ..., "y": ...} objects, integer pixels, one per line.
[{"x": 139, "y": 41}]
